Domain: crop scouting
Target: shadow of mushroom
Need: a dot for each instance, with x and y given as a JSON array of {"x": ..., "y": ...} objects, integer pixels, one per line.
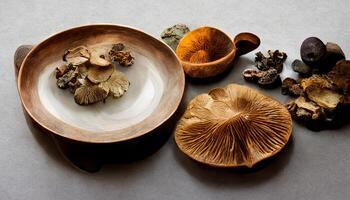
[{"x": 236, "y": 177}]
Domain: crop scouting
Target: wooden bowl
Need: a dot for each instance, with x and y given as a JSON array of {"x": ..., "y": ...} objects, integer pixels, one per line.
[
  {"x": 157, "y": 85},
  {"x": 207, "y": 51},
  {"x": 233, "y": 126}
]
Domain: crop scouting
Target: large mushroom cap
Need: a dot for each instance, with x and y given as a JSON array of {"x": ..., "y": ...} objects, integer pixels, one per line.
[{"x": 233, "y": 126}]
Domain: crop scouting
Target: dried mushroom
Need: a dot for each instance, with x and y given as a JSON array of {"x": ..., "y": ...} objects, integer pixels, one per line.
[
  {"x": 98, "y": 74},
  {"x": 340, "y": 75},
  {"x": 320, "y": 90},
  {"x": 89, "y": 93},
  {"x": 274, "y": 59},
  {"x": 313, "y": 51},
  {"x": 172, "y": 35},
  {"x": 334, "y": 54},
  {"x": 77, "y": 55},
  {"x": 62, "y": 82},
  {"x": 291, "y": 87},
  {"x": 124, "y": 58},
  {"x": 263, "y": 78},
  {"x": 305, "y": 110},
  {"x": 118, "y": 47},
  {"x": 90, "y": 75},
  {"x": 302, "y": 68},
  {"x": 233, "y": 126},
  {"x": 99, "y": 56},
  {"x": 61, "y": 70},
  {"x": 116, "y": 85}
]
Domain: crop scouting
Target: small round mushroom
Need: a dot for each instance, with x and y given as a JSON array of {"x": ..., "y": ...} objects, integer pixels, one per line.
[
  {"x": 89, "y": 93},
  {"x": 302, "y": 68},
  {"x": 313, "y": 51},
  {"x": 77, "y": 55},
  {"x": 98, "y": 74},
  {"x": 334, "y": 54},
  {"x": 116, "y": 85}
]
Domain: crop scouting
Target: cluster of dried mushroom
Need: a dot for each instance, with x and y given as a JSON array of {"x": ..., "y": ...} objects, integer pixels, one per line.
[
  {"x": 90, "y": 72},
  {"x": 323, "y": 93},
  {"x": 269, "y": 67}
]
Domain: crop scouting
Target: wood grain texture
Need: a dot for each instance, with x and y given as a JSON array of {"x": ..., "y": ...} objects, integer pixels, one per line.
[
  {"x": 233, "y": 126},
  {"x": 51, "y": 51}
]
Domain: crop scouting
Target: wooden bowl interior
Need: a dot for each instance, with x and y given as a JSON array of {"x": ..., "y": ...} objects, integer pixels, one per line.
[
  {"x": 157, "y": 84},
  {"x": 204, "y": 45}
]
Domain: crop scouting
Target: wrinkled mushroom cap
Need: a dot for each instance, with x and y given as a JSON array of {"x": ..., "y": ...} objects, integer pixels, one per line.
[
  {"x": 77, "y": 55},
  {"x": 233, "y": 126},
  {"x": 116, "y": 85},
  {"x": 98, "y": 74},
  {"x": 320, "y": 89},
  {"x": 99, "y": 55},
  {"x": 89, "y": 93}
]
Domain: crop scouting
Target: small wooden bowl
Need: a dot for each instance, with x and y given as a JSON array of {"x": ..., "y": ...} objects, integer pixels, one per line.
[
  {"x": 207, "y": 51},
  {"x": 157, "y": 85}
]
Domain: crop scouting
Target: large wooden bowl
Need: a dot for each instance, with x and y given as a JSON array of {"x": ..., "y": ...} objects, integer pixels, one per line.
[{"x": 157, "y": 86}]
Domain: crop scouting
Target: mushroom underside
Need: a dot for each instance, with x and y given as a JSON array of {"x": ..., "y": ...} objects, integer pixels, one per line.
[{"x": 233, "y": 126}]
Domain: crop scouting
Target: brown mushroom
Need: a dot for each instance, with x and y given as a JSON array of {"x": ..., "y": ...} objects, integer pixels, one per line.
[
  {"x": 89, "y": 93},
  {"x": 320, "y": 90},
  {"x": 305, "y": 110},
  {"x": 340, "y": 75},
  {"x": 233, "y": 126},
  {"x": 77, "y": 55},
  {"x": 99, "y": 56},
  {"x": 116, "y": 85},
  {"x": 97, "y": 74}
]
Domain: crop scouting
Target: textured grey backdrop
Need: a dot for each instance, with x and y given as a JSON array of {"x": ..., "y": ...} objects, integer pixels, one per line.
[{"x": 314, "y": 166}]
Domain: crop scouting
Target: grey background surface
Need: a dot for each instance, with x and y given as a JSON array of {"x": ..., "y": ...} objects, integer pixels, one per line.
[{"x": 315, "y": 165}]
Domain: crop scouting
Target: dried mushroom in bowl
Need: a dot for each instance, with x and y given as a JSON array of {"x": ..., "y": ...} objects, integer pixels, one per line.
[
  {"x": 233, "y": 126},
  {"x": 91, "y": 73}
]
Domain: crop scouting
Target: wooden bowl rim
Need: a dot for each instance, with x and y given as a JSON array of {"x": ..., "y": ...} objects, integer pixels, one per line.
[
  {"x": 77, "y": 137},
  {"x": 217, "y": 61}
]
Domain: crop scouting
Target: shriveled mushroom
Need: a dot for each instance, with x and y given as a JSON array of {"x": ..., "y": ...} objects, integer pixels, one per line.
[
  {"x": 77, "y": 55},
  {"x": 340, "y": 75},
  {"x": 274, "y": 59},
  {"x": 116, "y": 85},
  {"x": 98, "y": 74},
  {"x": 99, "y": 56},
  {"x": 62, "y": 82},
  {"x": 305, "y": 110},
  {"x": 263, "y": 78},
  {"x": 61, "y": 70},
  {"x": 124, "y": 58},
  {"x": 233, "y": 126},
  {"x": 291, "y": 87},
  {"x": 89, "y": 93},
  {"x": 320, "y": 90}
]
